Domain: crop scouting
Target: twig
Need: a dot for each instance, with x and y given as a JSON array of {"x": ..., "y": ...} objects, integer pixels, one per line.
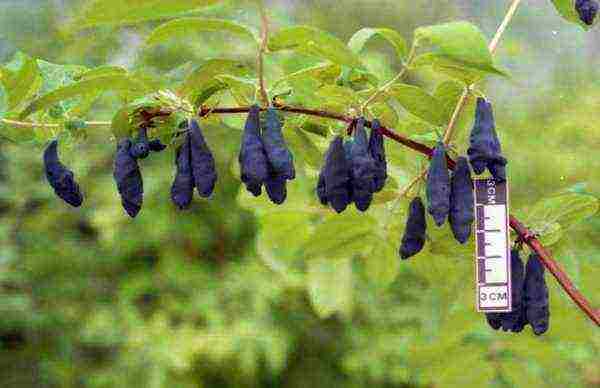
[
  {"x": 264, "y": 40},
  {"x": 507, "y": 18},
  {"x": 30, "y": 124}
]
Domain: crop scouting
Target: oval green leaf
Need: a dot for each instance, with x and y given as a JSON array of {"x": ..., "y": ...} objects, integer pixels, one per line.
[
  {"x": 193, "y": 25},
  {"x": 119, "y": 12},
  {"x": 361, "y": 37},
  {"x": 461, "y": 42},
  {"x": 330, "y": 286},
  {"x": 313, "y": 41},
  {"x": 419, "y": 103},
  {"x": 96, "y": 84}
]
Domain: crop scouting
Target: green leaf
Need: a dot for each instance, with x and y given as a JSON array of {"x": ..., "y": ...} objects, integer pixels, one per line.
[
  {"x": 419, "y": 103},
  {"x": 21, "y": 84},
  {"x": 551, "y": 234},
  {"x": 193, "y": 25},
  {"x": 285, "y": 230},
  {"x": 448, "y": 67},
  {"x": 326, "y": 73},
  {"x": 333, "y": 95},
  {"x": 121, "y": 125},
  {"x": 312, "y": 41},
  {"x": 56, "y": 75},
  {"x": 360, "y": 38},
  {"x": 101, "y": 71},
  {"x": 204, "y": 77},
  {"x": 565, "y": 210},
  {"x": 461, "y": 42},
  {"x": 340, "y": 236},
  {"x": 330, "y": 286},
  {"x": 301, "y": 144},
  {"x": 96, "y": 84},
  {"x": 566, "y": 9},
  {"x": 124, "y": 12},
  {"x": 448, "y": 93},
  {"x": 381, "y": 263},
  {"x": 242, "y": 89}
]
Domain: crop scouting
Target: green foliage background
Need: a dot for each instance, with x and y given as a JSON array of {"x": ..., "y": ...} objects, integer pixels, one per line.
[{"x": 238, "y": 292}]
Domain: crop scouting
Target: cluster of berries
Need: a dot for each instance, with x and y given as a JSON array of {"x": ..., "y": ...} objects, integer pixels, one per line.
[
  {"x": 353, "y": 170},
  {"x": 529, "y": 292},
  {"x": 451, "y": 196},
  {"x": 265, "y": 158}
]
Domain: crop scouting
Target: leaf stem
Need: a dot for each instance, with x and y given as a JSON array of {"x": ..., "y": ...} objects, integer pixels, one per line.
[{"x": 264, "y": 40}]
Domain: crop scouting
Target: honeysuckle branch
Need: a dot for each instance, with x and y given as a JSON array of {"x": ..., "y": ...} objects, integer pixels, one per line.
[
  {"x": 264, "y": 41},
  {"x": 390, "y": 83},
  {"x": 523, "y": 232}
]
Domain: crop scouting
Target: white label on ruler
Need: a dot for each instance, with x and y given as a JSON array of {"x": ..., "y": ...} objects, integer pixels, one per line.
[{"x": 493, "y": 250}]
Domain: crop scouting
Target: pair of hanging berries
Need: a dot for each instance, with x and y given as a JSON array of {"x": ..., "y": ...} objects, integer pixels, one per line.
[
  {"x": 450, "y": 196},
  {"x": 354, "y": 170},
  {"x": 485, "y": 150},
  {"x": 530, "y": 302},
  {"x": 264, "y": 156},
  {"x": 587, "y": 10},
  {"x": 195, "y": 168},
  {"x": 126, "y": 171}
]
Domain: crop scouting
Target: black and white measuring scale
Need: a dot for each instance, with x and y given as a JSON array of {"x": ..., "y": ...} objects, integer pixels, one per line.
[{"x": 492, "y": 246}]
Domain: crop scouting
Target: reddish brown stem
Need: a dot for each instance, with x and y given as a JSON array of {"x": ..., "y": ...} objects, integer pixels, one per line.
[{"x": 524, "y": 234}]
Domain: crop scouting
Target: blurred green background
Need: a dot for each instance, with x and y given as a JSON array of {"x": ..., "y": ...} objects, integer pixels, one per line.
[{"x": 224, "y": 295}]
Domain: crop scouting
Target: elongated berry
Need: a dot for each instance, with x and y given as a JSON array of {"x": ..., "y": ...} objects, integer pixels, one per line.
[
  {"x": 438, "y": 186},
  {"x": 515, "y": 320},
  {"x": 485, "y": 150},
  {"x": 587, "y": 10},
  {"x": 461, "y": 214},
  {"x": 279, "y": 156},
  {"x": 414, "y": 236},
  {"x": 362, "y": 168},
  {"x": 60, "y": 177},
  {"x": 321, "y": 193},
  {"x": 129, "y": 181},
  {"x": 253, "y": 159},
  {"x": 202, "y": 162},
  {"x": 182, "y": 189},
  {"x": 536, "y": 296},
  {"x": 276, "y": 189},
  {"x": 337, "y": 176},
  {"x": 377, "y": 150}
]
